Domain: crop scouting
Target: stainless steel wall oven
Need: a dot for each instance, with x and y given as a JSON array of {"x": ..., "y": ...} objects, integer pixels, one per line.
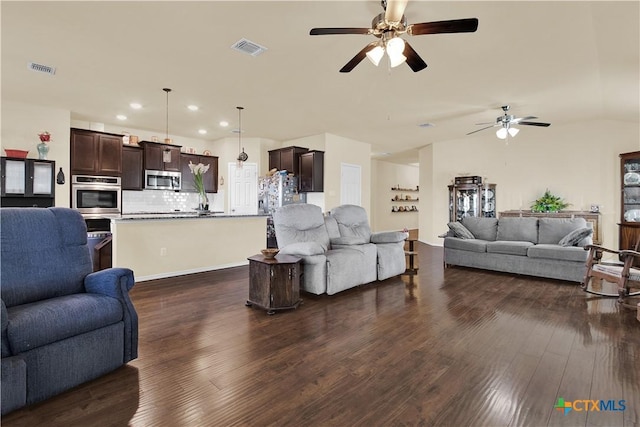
[{"x": 96, "y": 195}]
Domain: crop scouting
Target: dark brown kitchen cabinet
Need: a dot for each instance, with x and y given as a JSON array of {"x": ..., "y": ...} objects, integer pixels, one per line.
[
  {"x": 286, "y": 159},
  {"x": 132, "y": 168},
  {"x": 95, "y": 153},
  {"x": 311, "y": 172},
  {"x": 27, "y": 182},
  {"x": 210, "y": 178},
  {"x": 161, "y": 157}
]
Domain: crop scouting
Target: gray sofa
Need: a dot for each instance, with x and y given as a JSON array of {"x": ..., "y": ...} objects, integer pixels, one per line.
[
  {"x": 543, "y": 247},
  {"x": 338, "y": 251},
  {"x": 62, "y": 324}
]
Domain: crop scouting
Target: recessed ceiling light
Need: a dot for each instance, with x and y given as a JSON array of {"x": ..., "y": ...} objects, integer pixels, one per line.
[
  {"x": 121, "y": 117},
  {"x": 135, "y": 105},
  {"x": 192, "y": 107},
  {"x": 202, "y": 131},
  {"x": 224, "y": 123}
]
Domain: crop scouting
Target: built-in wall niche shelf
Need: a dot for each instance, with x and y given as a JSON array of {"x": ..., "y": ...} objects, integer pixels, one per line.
[
  {"x": 404, "y": 189},
  {"x": 403, "y": 209},
  {"x": 405, "y": 199}
]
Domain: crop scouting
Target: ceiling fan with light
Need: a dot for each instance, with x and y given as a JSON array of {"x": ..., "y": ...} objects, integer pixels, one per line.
[
  {"x": 507, "y": 123},
  {"x": 388, "y": 27}
]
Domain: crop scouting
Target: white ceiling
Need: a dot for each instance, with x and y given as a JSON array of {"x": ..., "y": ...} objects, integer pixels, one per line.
[{"x": 561, "y": 61}]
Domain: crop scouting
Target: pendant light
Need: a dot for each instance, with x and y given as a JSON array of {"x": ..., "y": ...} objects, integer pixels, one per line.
[
  {"x": 242, "y": 156},
  {"x": 166, "y": 153},
  {"x": 167, "y": 139}
]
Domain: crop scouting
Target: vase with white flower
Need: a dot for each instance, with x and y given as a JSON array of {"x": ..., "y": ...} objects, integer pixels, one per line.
[
  {"x": 43, "y": 147},
  {"x": 198, "y": 171}
]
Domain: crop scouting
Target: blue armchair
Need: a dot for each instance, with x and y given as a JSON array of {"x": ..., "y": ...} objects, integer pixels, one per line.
[{"x": 62, "y": 324}]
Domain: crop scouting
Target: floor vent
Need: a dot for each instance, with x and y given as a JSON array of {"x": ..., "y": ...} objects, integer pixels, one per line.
[
  {"x": 248, "y": 47},
  {"x": 41, "y": 68}
]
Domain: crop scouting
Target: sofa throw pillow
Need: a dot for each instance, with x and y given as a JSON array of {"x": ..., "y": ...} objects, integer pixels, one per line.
[
  {"x": 460, "y": 230},
  {"x": 574, "y": 237}
]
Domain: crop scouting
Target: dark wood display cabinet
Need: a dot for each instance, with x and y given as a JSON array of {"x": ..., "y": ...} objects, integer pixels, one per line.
[
  {"x": 132, "y": 167},
  {"x": 274, "y": 283},
  {"x": 161, "y": 157},
  {"x": 629, "y": 226},
  {"x": 468, "y": 196},
  {"x": 210, "y": 179},
  {"x": 27, "y": 182},
  {"x": 95, "y": 153},
  {"x": 311, "y": 172},
  {"x": 286, "y": 159}
]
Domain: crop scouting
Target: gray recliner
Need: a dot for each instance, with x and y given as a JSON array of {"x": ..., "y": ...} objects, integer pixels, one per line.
[
  {"x": 330, "y": 265},
  {"x": 353, "y": 222}
]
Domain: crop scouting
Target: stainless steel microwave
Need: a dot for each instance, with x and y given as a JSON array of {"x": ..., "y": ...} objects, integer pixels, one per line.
[{"x": 162, "y": 180}]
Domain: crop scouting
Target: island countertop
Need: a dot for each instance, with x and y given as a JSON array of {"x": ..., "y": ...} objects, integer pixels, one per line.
[{"x": 180, "y": 215}]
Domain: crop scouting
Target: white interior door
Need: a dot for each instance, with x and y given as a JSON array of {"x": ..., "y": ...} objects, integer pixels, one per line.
[
  {"x": 243, "y": 189},
  {"x": 350, "y": 184}
]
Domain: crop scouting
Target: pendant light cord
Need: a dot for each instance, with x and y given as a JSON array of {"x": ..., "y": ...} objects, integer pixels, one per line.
[{"x": 166, "y": 89}]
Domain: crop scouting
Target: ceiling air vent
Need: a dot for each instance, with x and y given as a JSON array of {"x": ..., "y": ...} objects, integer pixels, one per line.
[
  {"x": 248, "y": 47},
  {"x": 41, "y": 68}
]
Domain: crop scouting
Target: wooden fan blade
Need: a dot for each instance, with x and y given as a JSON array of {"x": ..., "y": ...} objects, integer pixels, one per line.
[
  {"x": 329, "y": 31},
  {"x": 520, "y": 119},
  {"x": 546, "y": 125},
  {"x": 481, "y": 129},
  {"x": 468, "y": 25},
  {"x": 395, "y": 10},
  {"x": 358, "y": 58},
  {"x": 413, "y": 59}
]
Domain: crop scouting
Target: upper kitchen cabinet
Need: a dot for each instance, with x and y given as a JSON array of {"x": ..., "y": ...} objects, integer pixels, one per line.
[
  {"x": 161, "y": 157},
  {"x": 95, "y": 153},
  {"x": 210, "y": 178},
  {"x": 27, "y": 182},
  {"x": 311, "y": 172},
  {"x": 286, "y": 158},
  {"x": 132, "y": 171}
]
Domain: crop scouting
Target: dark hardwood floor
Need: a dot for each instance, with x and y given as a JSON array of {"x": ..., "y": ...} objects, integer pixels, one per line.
[{"x": 448, "y": 347}]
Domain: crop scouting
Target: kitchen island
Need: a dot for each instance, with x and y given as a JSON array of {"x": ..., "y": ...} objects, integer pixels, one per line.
[{"x": 171, "y": 244}]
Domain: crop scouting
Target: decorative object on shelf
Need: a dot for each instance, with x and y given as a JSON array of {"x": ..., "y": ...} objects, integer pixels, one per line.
[
  {"x": 270, "y": 253},
  {"x": 43, "y": 147},
  {"x": 60, "y": 177},
  {"x": 242, "y": 156},
  {"x": 549, "y": 203},
  {"x": 198, "y": 171},
  {"x": 167, "y": 140},
  {"x": 18, "y": 154}
]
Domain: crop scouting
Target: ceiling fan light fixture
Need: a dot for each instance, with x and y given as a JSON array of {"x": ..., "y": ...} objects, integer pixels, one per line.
[
  {"x": 375, "y": 55},
  {"x": 513, "y": 131},
  {"x": 395, "y": 49},
  {"x": 502, "y": 133}
]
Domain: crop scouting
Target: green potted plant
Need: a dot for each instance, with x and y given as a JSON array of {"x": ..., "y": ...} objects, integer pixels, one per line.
[{"x": 549, "y": 203}]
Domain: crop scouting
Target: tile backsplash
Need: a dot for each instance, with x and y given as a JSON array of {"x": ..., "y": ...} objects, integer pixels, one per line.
[{"x": 155, "y": 201}]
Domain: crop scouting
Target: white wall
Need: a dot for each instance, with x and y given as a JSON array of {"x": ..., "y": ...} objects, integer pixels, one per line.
[
  {"x": 21, "y": 124},
  {"x": 578, "y": 162},
  {"x": 384, "y": 176}
]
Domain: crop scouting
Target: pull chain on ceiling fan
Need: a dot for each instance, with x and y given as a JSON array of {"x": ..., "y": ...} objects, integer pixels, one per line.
[{"x": 388, "y": 27}]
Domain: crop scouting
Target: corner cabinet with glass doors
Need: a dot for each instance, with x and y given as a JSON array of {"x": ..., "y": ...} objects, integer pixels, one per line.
[
  {"x": 630, "y": 200},
  {"x": 471, "y": 199},
  {"x": 27, "y": 182}
]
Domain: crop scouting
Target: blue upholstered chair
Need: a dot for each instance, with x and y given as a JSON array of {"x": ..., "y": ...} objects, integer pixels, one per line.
[{"x": 62, "y": 324}]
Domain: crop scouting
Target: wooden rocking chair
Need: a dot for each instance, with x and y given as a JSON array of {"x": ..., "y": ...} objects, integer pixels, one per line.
[{"x": 622, "y": 273}]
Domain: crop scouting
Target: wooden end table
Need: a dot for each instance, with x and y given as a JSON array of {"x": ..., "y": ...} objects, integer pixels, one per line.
[
  {"x": 411, "y": 253},
  {"x": 274, "y": 283}
]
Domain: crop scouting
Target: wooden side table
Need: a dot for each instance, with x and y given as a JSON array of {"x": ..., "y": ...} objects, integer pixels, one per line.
[
  {"x": 411, "y": 253},
  {"x": 274, "y": 283}
]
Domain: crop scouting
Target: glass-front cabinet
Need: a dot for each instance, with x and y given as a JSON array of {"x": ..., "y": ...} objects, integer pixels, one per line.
[
  {"x": 630, "y": 200},
  {"x": 27, "y": 182},
  {"x": 471, "y": 199}
]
